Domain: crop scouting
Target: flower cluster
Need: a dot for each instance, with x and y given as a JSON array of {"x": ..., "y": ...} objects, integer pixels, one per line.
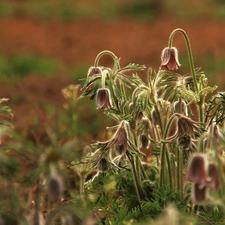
[
  {"x": 163, "y": 121},
  {"x": 203, "y": 175}
]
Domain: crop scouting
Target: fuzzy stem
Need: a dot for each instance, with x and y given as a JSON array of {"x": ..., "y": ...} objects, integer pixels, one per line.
[
  {"x": 191, "y": 61},
  {"x": 105, "y": 52},
  {"x": 153, "y": 95},
  {"x": 165, "y": 156},
  {"x": 136, "y": 180},
  {"x": 82, "y": 181},
  {"x": 104, "y": 73},
  {"x": 180, "y": 172}
]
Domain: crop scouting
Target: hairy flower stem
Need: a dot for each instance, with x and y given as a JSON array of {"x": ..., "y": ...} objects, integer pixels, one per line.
[
  {"x": 201, "y": 142},
  {"x": 165, "y": 161},
  {"x": 136, "y": 179},
  {"x": 106, "y": 52},
  {"x": 82, "y": 181},
  {"x": 153, "y": 96},
  {"x": 104, "y": 73},
  {"x": 191, "y": 61},
  {"x": 180, "y": 172},
  {"x": 192, "y": 67}
]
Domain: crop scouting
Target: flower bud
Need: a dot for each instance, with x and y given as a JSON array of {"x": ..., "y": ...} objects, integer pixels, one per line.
[
  {"x": 144, "y": 141},
  {"x": 103, "y": 99},
  {"x": 214, "y": 180},
  {"x": 103, "y": 164},
  {"x": 119, "y": 140},
  {"x": 197, "y": 170},
  {"x": 184, "y": 142},
  {"x": 186, "y": 125},
  {"x": 180, "y": 107},
  {"x": 169, "y": 59},
  {"x": 94, "y": 71},
  {"x": 155, "y": 120},
  {"x": 217, "y": 135},
  {"x": 139, "y": 115},
  {"x": 131, "y": 106},
  {"x": 55, "y": 187}
]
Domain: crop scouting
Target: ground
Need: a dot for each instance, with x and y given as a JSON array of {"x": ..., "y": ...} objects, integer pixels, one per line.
[{"x": 77, "y": 43}]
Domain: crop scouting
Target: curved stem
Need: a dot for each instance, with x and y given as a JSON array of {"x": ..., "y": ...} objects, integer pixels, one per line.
[
  {"x": 192, "y": 67},
  {"x": 105, "y": 52},
  {"x": 191, "y": 61}
]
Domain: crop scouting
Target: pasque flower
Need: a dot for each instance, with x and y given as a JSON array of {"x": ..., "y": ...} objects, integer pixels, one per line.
[
  {"x": 169, "y": 59},
  {"x": 203, "y": 176},
  {"x": 197, "y": 170},
  {"x": 103, "y": 164},
  {"x": 93, "y": 71},
  {"x": 184, "y": 142},
  {"x": 120, "y": 138},
  {"x": 56, "y": 188},
  {"x": 214, "y": 180},
  {"x": 185, "y": 125},
  {"x": 103, "y": 99},
  {"x": 180, "y": 107}
]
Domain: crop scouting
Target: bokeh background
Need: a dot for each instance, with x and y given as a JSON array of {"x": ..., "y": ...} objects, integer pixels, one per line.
[{"x": 46, "y": 45}]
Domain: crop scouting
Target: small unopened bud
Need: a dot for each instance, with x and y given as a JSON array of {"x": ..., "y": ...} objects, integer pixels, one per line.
[
  {"x": 180, "y": 107},
  {"x": 139, "y": 115},
  {"x": 144, "y": 141},
  {"x": 198, "y": 193},
  {"x": 184, "y": 142},
  {"x": 131, "y": 106},
  {"x": 217, "y": 135},
  {"x": 197, "y": 170},
  {"x": 214, "y": 180},
  {"x": 55, "y": 188},
  {"x": 94, "y": 71},
  {"x": 186, "y": 125},
  {"x": 103, "y": 164},
  {"x": 119, "y": 140},
  {"x": 155, "y": 120},
  {"x": 169, "y": 59},
  {"x": 103, "y": 99}
]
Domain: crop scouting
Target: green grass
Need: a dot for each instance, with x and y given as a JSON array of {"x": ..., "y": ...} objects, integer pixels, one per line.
[
  {"x": 6, "y": 9},
  {"x": 67, "y": 10},
  {"x": 78, "y": 73},
  {"x": 20, "y": 66},
  {"x": 62, "y": 10}
]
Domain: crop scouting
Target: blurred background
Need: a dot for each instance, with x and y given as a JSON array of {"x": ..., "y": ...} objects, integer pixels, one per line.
[{"x": 45, "y": 45}]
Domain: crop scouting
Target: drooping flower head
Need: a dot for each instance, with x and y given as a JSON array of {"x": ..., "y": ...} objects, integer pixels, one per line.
[
  {"x": 93, "y": 71},
  {"x": 103, "y": 164},
  {"x": 197, "y": 170},
  {"x": 185, "y": 125},
  {"x": 145, "y": 142},
  {"x": 119, "y": 140},
  {"x": 180, "y": 107},
  {"x": 214, "y": 180},
  {"x": 55, "y": 187},
  {"x": 184, "y": 142},
  {"x": 169, "y": 59},
  {"x": 103, "y": 99}
]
